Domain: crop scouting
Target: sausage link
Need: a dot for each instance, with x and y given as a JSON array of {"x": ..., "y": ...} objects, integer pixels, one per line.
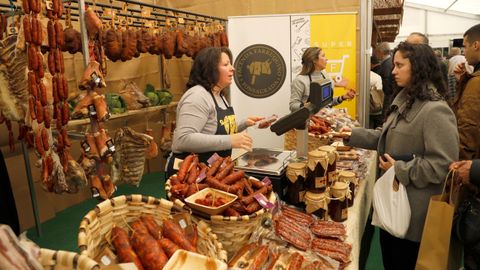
[
  {"x": 27, "y": 30},
  {"x": 52, "y": 37},
  {"x": 59, "y": 34}
]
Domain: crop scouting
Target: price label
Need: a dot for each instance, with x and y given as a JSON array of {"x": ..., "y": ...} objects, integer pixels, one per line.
[
  {"x": 266, "y": 181},
  {"x": 48, "y": 4},
  {"x": 262, "y": 200}
]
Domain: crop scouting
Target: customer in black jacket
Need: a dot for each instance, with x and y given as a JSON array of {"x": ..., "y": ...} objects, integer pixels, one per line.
[{"x": 468, "y": 173}]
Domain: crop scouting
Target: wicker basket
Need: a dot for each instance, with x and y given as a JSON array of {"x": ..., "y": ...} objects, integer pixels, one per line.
[
  {"x": 313, "y": 141},
  {"x": 66, "y": 260},
  {"x": 96, "y": 226},
  {"x": 232, "y": 232}
]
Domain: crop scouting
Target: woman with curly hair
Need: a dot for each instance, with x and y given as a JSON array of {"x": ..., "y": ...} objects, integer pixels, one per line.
[
  {"x": 205, "y": 122},
  {"x": 419, "y": 139}
]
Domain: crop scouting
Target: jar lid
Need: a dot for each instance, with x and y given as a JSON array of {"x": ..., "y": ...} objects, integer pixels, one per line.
[
  {"x": 311, "y": 196},
  {"x": 327, "y": 148},
  {"x": 317, "y": 154},
  {"x": 346, "y": 174},
  {"x": 339, "y": 185},
  {"x": 297, "y": 165}
]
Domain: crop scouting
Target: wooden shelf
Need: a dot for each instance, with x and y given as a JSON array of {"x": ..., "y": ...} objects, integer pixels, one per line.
[{"x": 85, "y": 121}]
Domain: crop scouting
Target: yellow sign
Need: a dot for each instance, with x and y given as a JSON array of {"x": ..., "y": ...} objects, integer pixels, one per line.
[{"x": 339, "y": 44}]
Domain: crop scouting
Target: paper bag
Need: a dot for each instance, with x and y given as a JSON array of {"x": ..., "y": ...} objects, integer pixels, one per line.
[{"x": 437, "y": 251}]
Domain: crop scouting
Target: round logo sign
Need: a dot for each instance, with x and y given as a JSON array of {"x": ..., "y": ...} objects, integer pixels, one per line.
[{"x": 260, "y": 71}]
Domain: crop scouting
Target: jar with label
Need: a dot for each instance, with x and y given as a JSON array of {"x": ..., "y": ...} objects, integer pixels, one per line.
[
  {"x": 296, "y": 174},
  {"x": 350, "y": 178},
  {"x": 317, "y": 204},
  {"x": 338, "y": 206},
  {"x": 317, "y": 171},
  {"x": 332, "y": 156}
]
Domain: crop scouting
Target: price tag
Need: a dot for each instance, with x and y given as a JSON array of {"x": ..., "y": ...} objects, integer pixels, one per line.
[
  {"x": 266, "y": 181},
  {"x": 212, "y": 159},
  {"x": 201, "y": 177},
  {"x": 48, "y": 4},
  {"x": 262, "y": 200},
  {"x": 176, "y": 163}
]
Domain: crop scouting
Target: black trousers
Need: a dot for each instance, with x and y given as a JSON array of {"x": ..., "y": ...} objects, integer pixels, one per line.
[{"x": 398, "y": 253}]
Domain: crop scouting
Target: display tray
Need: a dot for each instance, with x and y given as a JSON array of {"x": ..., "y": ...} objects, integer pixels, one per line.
[{"x": 265, "y": 161}]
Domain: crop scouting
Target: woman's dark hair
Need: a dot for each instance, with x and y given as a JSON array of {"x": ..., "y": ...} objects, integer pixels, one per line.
[
  {"x": 204, "y": 70},
  {"x": 309, "y": 57},
  {"x": 425, "y": 69}
]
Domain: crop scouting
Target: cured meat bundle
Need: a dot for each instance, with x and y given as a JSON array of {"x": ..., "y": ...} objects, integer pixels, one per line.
[{"x": 129, "y": 157}]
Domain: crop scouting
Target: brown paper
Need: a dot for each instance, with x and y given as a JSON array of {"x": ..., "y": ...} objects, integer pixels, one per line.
[{"x": 436, "y": 247}]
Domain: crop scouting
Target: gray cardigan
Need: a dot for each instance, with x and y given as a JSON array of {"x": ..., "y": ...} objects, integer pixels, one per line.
[
  {"x": 300, "y": 89},
  {"x": 427, "y": 135},
  {"x": 196, "y": 123}
]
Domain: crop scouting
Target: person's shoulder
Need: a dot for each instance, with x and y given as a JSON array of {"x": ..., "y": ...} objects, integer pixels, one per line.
[{"x": 196, "y": 93}]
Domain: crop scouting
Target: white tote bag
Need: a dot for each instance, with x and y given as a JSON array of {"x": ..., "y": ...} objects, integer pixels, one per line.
[{"x": 391, "y": 209}]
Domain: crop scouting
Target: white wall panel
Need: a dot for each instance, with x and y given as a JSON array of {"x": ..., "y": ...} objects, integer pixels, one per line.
[{"x": 273, "y": 31}]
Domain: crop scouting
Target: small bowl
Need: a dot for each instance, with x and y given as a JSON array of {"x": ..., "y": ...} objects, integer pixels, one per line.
[
  {"x": 183, "y": 259},
  {"x": 211, "y": 210}
]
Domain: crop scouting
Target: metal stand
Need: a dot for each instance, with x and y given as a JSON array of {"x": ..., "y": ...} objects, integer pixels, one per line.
[
  {"x": 302, "y": 142},
  {"x": 31, "y": 188}
]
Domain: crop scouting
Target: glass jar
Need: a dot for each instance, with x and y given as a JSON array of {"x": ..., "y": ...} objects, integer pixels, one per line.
[
  {"x": 316, "y": 175},
  {"x": 296, "y": 174},
  {"x": 338, "y": 206},
  {"x": 316, "y": 203},
  {"x": 350, "y": 178},
  {"x": 332, "y": 156}
]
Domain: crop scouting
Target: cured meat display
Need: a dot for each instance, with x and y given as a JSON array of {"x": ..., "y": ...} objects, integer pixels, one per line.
[
  {"x": 150, "y": 245},
  {"x": 194, "y": 176},
  {"x": 294, "y": 240}
]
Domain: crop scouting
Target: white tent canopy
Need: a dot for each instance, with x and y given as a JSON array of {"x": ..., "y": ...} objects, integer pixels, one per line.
[
  {"x": 440, "y": 25},
  {"x": 466, "y": 6}
]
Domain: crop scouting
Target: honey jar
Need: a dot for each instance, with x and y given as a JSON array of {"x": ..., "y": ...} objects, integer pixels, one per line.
[
  {"x": 338, "y": 206},
  {"x": 296, "y": 174},
  {"x": 316, "y": 203},
  {"x": 317, "y": 168},
  {"x": 350, "y": 178},
  {"x": 332, "y": 156}
]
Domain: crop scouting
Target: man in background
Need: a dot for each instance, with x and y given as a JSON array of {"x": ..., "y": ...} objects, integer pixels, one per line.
[
  {"x": 419, "y": 38},
  {"x": 376, "y": 96},
  {"x": 384, "y": 69}
]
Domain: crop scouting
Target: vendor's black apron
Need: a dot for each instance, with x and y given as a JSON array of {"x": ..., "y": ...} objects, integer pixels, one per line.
[{"x": 226, "y": 125}]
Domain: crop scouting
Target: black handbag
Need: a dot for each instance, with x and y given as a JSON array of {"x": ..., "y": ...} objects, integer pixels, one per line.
[{"x": 466, "y": 221}]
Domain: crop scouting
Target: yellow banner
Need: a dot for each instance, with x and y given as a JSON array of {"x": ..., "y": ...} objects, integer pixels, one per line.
[{"x": 336, "y": 35}]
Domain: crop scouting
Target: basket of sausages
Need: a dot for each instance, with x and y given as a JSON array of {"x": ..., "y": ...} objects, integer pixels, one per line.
[
  {"x": 144, "y": 230},
  {"x": 235, "y": 223}
]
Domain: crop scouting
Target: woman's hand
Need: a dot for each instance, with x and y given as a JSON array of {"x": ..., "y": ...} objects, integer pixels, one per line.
[
  {"x": 241, "y": 140},
  {"x": 462, "y": 173},
  {"x": 350, "y": 94},
  {"x": 251, "y": 120},
  {"x": 345, "y": 133},
  {"x": 385, "y": 162}
]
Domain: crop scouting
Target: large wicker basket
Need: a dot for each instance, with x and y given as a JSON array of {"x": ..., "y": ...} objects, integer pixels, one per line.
[
  {"x": 232, "y": 232},
  {"x": 66, "y": 260},
  {"x": 95, "y": 227},
  {"x": 314, "y": 141}
]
